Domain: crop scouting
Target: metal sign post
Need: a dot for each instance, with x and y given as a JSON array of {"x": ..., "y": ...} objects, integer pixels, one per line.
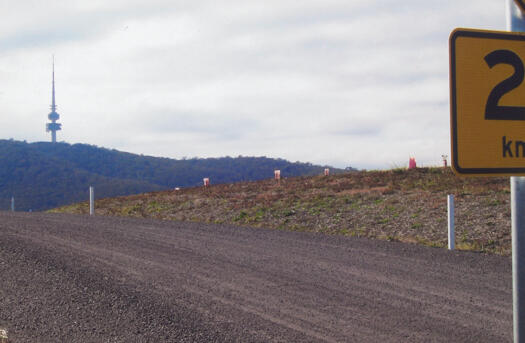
[
  {"x": 517, "y": 189},
  {"x": 487, "y": 121},
  {"x": 516, "y": 22}
]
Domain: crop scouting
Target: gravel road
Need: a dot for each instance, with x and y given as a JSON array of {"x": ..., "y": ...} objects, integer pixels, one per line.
[{"x": 72, "y": 278}]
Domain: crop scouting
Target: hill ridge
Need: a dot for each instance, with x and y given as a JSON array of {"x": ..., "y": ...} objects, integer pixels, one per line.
[{"x": 44, "y": 175}]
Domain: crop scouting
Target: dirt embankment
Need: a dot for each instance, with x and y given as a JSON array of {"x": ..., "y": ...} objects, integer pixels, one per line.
[{"x": 404, "y": 205}]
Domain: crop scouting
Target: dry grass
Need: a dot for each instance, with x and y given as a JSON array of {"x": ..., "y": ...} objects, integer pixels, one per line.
[
  {"x": 403, "y": 205},
  {"x": 3, "y": 336}
]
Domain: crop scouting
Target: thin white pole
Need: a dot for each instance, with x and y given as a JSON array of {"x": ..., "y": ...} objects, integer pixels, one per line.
[
  {"x": 91, "y": 201},
  {"x": 516, "y": 22},
  {"x": 451, "y": 234},
  {"x": 12, "y": 204},
  {"x": 517, "y": 194}
]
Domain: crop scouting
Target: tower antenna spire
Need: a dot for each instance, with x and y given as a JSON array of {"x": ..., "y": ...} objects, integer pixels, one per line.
[
  {"x": 53, "y": 104},
  {"x": 53, "y": 127}
]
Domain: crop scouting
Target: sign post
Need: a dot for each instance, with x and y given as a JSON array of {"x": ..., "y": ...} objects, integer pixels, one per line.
[
  {"x": 517, "y": 194},
  {"x": 487, "y": 121},
  {"x": 515, "y": 22}
]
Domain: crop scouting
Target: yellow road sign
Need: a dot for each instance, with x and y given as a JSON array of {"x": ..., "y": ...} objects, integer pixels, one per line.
[{"x": 487, "y": 100}]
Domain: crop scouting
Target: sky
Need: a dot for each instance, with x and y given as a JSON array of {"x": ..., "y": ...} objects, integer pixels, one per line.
[{"x": 360, "y": 83}]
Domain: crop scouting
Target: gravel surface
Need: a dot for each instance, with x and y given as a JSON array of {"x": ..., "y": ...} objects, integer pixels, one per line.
[{"x": 73, "y": 278}]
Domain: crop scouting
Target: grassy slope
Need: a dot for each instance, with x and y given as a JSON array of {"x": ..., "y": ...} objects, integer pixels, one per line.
[{"x": 405, "y": 205}]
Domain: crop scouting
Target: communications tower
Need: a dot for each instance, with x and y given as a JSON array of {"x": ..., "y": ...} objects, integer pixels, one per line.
[{"x": 53, "y": 127}]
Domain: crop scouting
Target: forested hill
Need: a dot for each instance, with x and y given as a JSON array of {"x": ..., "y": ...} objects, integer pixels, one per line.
[{"x": 45, "y": 175}]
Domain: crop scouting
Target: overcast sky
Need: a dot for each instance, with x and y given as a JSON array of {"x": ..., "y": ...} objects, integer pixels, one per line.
[{"x": 360, "y": 83}]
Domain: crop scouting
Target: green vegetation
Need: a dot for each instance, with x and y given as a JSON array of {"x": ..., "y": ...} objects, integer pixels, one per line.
[{"x": 44, "y": 175}]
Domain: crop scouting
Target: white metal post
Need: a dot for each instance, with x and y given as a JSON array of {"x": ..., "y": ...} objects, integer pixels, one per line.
[
  {"x": 517, "y": 194},
  {"x": 91, "y": 201},
  {"x": 451, "y": 234},
  {"x": 12, "y": 204},
  {"x": 516, "y": 22}
]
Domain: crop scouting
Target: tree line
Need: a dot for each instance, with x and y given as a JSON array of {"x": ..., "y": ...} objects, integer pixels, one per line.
[{"x": 44, "y": 175}]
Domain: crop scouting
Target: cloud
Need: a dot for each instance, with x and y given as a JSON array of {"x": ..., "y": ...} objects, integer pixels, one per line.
[{"x": 361, "y": 83}]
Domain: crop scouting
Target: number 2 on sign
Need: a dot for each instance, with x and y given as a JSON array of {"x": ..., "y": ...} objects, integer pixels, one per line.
[{"x": 493, "y": 111}]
